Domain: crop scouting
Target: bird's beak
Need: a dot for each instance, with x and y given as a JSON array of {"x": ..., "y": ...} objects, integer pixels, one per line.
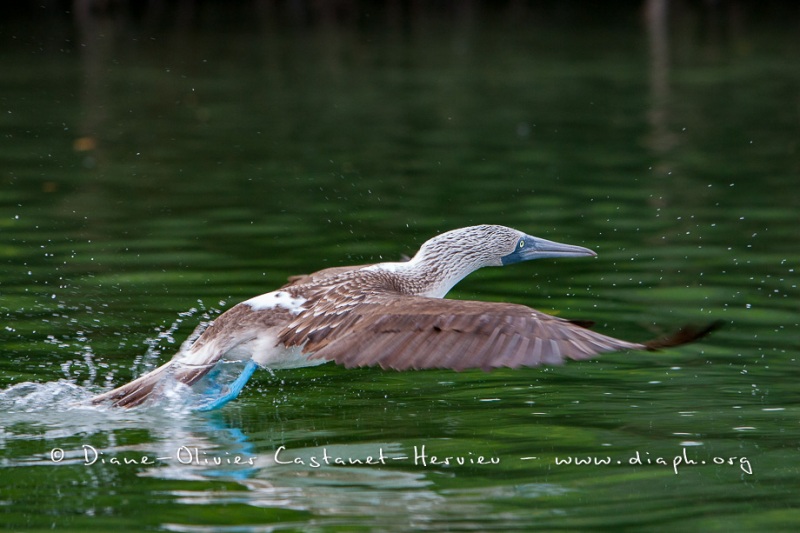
[
  {"x": 543, "y": 248},
  {"x": 537, "y": 248}
]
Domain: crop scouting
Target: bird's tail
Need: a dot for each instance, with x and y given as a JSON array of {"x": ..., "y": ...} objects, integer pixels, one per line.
[
  {"x": 213, "y": 385},
  {"x": 151, "y": 384},
  {"x": 686, "y": 334},
  {"x": 137, "y": 391}
]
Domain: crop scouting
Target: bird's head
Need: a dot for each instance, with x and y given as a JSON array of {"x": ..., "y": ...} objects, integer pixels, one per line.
[
  {"x": 491, "y": 245},
  {"x": 526, "y": 247},
  {"x": 446, "y": 259}
]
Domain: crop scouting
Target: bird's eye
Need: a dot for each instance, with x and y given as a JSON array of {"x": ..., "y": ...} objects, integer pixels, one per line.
[{"x": 521, "y": 243}]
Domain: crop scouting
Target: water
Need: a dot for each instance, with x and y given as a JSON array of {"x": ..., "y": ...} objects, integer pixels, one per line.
[{"x": 153, "y": 178}]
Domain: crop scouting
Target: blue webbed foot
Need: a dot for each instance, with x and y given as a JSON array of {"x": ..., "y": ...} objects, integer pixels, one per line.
[{"x": 217, "y": 394}]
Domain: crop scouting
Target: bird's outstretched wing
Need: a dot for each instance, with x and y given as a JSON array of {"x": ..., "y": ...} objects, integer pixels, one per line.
[{"x": 415, "y": 333}]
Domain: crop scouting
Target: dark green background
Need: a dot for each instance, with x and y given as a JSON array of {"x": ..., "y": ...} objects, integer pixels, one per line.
[{"x": 160, "y": 166}]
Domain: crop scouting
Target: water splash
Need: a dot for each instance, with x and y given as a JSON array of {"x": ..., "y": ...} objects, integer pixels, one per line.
[
  {"x": 71, "y": 395},
  {"x": 29, "y": 397},
  {"x": 150, "y": 359},
  {"x": 63, "y": 397}
]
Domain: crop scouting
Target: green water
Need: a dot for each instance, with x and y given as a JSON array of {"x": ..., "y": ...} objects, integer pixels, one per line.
[{"x": 153, "y": 178}]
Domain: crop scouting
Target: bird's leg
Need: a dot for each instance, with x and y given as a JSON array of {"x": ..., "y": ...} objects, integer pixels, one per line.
[{"x": 222, "y": 394}]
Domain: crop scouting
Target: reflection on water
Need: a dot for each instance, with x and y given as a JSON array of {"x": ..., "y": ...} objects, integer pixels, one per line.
[
  {"x": 157, "y": 171},
  {"x": 348, "y": 479}
]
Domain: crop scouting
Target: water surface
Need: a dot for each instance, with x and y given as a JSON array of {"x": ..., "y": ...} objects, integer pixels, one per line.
[{"x": 152, "y": 178}]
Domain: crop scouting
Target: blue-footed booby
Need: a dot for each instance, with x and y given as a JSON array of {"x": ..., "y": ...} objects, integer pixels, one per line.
[{"x": 391, "y": 315}]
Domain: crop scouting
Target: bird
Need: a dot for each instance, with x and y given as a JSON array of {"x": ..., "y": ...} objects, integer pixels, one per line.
[{"x": 389, "y": 314}]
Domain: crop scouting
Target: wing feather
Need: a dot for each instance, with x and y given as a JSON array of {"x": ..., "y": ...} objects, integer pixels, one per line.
[{"x": 407, "y": 332}]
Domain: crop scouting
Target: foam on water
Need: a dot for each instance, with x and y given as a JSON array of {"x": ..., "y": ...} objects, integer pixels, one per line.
[{"x": 29, "y": 397}]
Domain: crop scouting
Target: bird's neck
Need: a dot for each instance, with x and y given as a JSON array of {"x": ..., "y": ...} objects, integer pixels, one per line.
[{"x": 426, "y": 275}]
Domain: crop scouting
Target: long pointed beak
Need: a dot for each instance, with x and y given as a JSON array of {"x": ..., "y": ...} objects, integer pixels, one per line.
[
  {"x": 542, "y": 248},
  {"x": 535, "y": 248}
]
